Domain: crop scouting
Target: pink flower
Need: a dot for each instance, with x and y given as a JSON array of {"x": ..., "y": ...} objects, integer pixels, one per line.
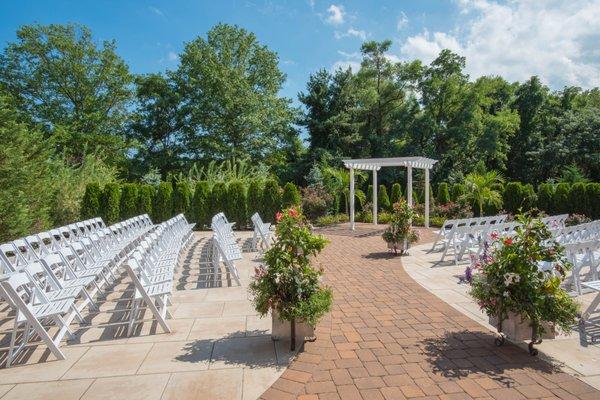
[
  {"x": 494, "y": 235},
  {"x": 278, "y": 216},
  {"x": 293, "y": 212}
]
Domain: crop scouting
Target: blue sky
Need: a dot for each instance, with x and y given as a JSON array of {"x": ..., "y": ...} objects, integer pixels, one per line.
[{"x": 554, "y": 39}]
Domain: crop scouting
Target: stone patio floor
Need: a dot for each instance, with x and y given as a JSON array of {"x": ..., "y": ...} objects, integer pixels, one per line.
[
  {"x": 388, "y": 337},
  {"x": 219, "y": 347}
]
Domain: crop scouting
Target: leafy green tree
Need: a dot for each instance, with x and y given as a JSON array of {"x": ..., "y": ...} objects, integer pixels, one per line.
[
  {"x": 271, "y": 200},
  {"x": 290, "y": 196},
  {"x": 110, "y": 203},
  {"x": 396, "y": 193},
  {"x": 63, "y": 79},
  {"x": 129, "y": 200},
  {"x": 443, "y": 195},
  {"x": 578, "y": 199},
  {"x": 145, "y": 199},
  {"x": 230, "y": 86},
  {"x": 545, "y": 195},
  {"x": 237, "y": 204},
  {"x": 561, "y": 198},
  {"x": 480, "y": 190},
  {"x": 255, "y": 197},
  {"x": 201, "y": 205},
  {"x": 90, "y": 204},
  {"x": 163, "y": 202},
  {"x": 383, "y": 200},
  {"x": 573, "y": 174}
]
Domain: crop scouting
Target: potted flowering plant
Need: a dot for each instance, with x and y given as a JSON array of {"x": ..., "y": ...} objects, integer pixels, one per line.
[
  {"x": 517, "y": 282},
  {"x": 399, "y": 234},
  {"x": 288, "y": 285}
]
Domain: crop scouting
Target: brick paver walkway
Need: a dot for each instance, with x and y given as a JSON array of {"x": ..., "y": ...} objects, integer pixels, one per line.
[{"x": 389, "y": 338}]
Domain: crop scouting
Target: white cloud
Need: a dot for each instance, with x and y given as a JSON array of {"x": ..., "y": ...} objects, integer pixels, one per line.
[
  {"x": 351, "y": 33},
  {"x": 336, "y": 14},
  {"x": 172, "y": 56},
  {"x": 402, "y": 21},
  {"x": 556, "y": 40},
  {"x": 311, "y": 4},
  {"x": 156, "y": 11}
]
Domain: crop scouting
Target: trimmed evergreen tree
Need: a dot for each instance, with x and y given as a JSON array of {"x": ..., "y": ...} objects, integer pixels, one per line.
[
  {"x": 163, "y": 202},
  {"x": 255, "y": 198},
  {"x": 218, "y": 199},
  {"x": 129, "y": 195},
  {"x": 396, "y": 193},
  {"x": 592, "y": 194},
  {"x": 110, "y": 202},
  {"x": 512, "y": 197},
  {"x": 182, "y": 199},
  {"x": 201, "y": 205},
  {"x": 528, "y": 197},
  {"x": 578, "y": 199},
  {"x": 544, "y": 196},
  {"x": 561, "y": 198},
  {"x": 370, "y": 194},
  {"x": 237, "y": 210},
  {"x": 443, "y": 194},
  {"x": 291, "y": 195},
  {"x": 457, "y": 191},
  {"x": 90, "y": 204},
  {"x": 383, "y": 200},
  {"x": 145, "y": 199},
  {"x": 271, "y": 202}
]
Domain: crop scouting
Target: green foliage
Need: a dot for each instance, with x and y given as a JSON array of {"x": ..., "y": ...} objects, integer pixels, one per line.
[
  {"x": 529, "y": 198},
  {"x": 271, "y": 201},
  {"x": 236, "y": 204},
  {"x": 545, "y": 196},
  {"x": 383, "y": 201},
  {"x": 255, "y": 197},
  {"x": 443, "y": 195},
  {"x": 229, "y": 171},
  {"x": 110, "y": 203},
  {"x": 90, "y": 204},
  {"x": 457, "y": 191},
  {"x": 146, "y": 194},
  {"x": 315, "y": 200},
  {"x": 399, "y": 228},
  {"x": 291, "y": 195},
  {"x": 182, "y": 199},
  {"x": 129, "y": 200},
  {"x": 561, "y": 198},
  {"x": 201, "y": 205},
  {"x": 163, "y": 203},
  {"x": 396, "y": 193},
  {"x": 218, "y": 199},
  {"x": 573, "y": 174},
  {"x": 513, "y": 196},
  {"x": 327, "y": 220},
  {"x": 592, "y": 191},
  {"x": 481, "y": 190},
  {"x": 578, "y": 199},
  {"x": 288, "y": 283}
]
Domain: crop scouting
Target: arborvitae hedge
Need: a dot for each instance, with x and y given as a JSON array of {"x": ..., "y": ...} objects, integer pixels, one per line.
[
  {"x": 110, "y": 202},
  {"x": 201, "y": 205},
  {"x": 512, "y": 197},
  {"x": 218, "y": 198},
  {"x": 271, "y": 202},
  {"x": 163, "y": 203},
  {"x": 182, "y": 199},
  {"x": 443, "y": 194},
  {"x": 237, "y": 204},
  {"x": 255, "y": 198},
  {"x": 129, "y": 198},
  {"x": 592, "y": 194},
  {"x": 383, "y": 200},
  {"x": 396, "y": 193},
  {"x": 544, "y": 196},
  {"x": 291, "y": 195},
  {"x": 561, "y": 198},
  {"x": 90, "y": 204},
  {"x": 529, "y": 198},
  {"x": 457, "y": 190},
  {"x": 145, "y": 199},
  {"x": 578, "y": 199}
]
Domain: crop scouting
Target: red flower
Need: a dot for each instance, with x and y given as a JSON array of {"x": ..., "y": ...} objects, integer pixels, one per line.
[
  {"x": 293, "y": 212},
  {"x": 278, "y": 216},
  {"x": 508, "y": 241}
]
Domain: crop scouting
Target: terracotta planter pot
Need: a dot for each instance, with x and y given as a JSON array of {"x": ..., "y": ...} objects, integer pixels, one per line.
[
  {"x": 517, "y": 329},
  {"x": 282, "y": 329}
]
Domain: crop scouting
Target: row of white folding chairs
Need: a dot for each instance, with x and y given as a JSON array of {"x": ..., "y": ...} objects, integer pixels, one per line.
[
  {"x": 445, "y": 233},
  {"x": 555, "y": 222},
  {"x": 262, "y": 232},
  {"x": 57, "y": 286},
  {"x": 225, "y": 247},
  {"x": 152, "y": 267},
  {"x": 579, "y": 233}
]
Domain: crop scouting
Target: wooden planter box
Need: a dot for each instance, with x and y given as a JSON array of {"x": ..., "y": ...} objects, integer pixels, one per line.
[
  {"x": 517, "y": 329},
  {"x": 282, "y": 329}
]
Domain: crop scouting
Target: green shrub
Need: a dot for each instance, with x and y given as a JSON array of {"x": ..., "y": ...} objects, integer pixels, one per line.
[
  {"x": 237, "y": 204},
  {"x": 443, "y": 195},
  {"x": 254, "y": 197},
  {"x": 561, "y": 199},
  {"x": 327, "y": 220},
  {"x": 396, "y": 193},
  {"x": 145, "y": 199},
  {"x": 271, "y": 201},
  {"x": 163, "y": 202},
  {"x": 512, "y": 197},
  {"x": 544, "y": 195},
  {"x": 218, "y": 199},
  {"x": 592, "y": 194},
  {"x": 578, "y": 199},
  {"x": 458, "y": 189},
  {"x": 314, "y": 201},
  {"x": 129, "y": 194},
  {"x": 291, "y": 195},
  {"x": 200, "y": 205},
  {"x": 383, "y": 201},
  {"x": 90, "y": 204},
  {"x": 182, "y": 199},
  {"x": 109, "y": 204},
  {"x": 370, "y": 194},
  {"x": 529, "y": 198}
]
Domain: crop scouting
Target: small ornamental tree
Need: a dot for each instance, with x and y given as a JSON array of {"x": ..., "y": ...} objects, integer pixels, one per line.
[
  {"x": 443, "y": 195},
  {"x": 90, "y": 204},
  {"x": 182, "y": 199},
  {"x": 396, "y": 194},
  {"x": 399, "y": 233},
  {"x": 254, "y": 197},
  {"x": 129, "y": 195},
  {"x": 288, "y": 284},
  {"x": 145, "y": 199},
  {"x": 163, "y": 202},
  {"x": 291, "y": 195},
  {"x": 561, "y": 198},
  {"x": 236, "y": 204},
  {"x": 544, "y": 195},
  {"x": 110, "y": 201},
  {"x": 578, "y": 199},
  {"x": 383, "y": 200},
  {"x": 200, "y": 205},
  {"x": 457, "y": 191},
  {"x": 512, "y": 197},
  {"x": 271, "y": 200},
  {"x": 592, "y": 194},
  {"x": 218, "y": 199}
]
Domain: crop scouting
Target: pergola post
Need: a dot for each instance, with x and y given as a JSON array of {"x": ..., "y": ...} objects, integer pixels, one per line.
[
  {"x": 352, "y": 198},
  {"x": 409, "y": 198},
  {"x": 375, "y": 196},
  {"x": 426, "y": 197}
]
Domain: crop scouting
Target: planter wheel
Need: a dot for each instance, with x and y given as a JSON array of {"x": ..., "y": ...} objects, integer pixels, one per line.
[
  {"x": 500, "y": 340},
  {"x": 532, "y": 350}
]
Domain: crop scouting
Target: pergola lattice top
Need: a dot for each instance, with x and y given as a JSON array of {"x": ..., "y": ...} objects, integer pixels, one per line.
[{"x": 374, "y": 164}]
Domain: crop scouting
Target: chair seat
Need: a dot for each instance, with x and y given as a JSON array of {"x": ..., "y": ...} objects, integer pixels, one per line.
[
  {"x": 89, "y": 272},
  {"x": 50, "y": 309},
  {"x": 78, "y": 282},
  {"x": 63, "y": 294}
]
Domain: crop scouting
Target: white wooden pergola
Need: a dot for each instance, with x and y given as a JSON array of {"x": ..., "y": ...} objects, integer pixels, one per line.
[{"x": 375, "y": 164}]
